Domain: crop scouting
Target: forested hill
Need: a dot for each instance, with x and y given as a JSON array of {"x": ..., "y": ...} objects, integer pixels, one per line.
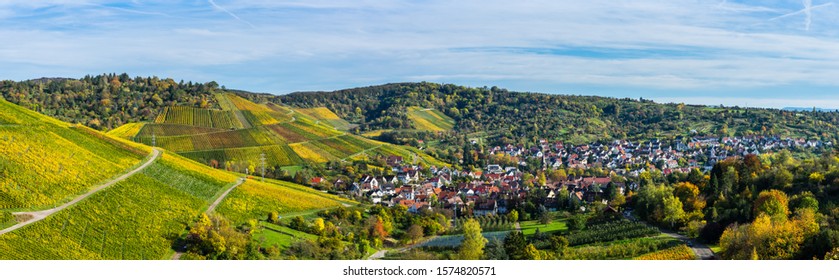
[
  {"x": 423, "y": 110},
  {"x": 522, "y": 117},
  {"x": 106, "y": 101}
]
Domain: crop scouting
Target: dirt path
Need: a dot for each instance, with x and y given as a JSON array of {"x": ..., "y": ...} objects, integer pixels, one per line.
[
  {"x": 702, "y": 251},
  {"x": 40, "y": 215},
  {"x": 220, "y": 198}
]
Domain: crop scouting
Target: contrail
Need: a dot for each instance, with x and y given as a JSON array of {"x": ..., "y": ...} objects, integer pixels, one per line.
[
  {"x": 230, "y": 13},
  {"x": 807, "y": 11}
]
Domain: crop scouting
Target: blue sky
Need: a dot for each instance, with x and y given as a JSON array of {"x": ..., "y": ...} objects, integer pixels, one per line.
[{"x": 757, "y": 53}]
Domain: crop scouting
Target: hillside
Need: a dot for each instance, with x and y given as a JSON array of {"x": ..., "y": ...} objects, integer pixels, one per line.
[
  {"x": 286, "y": 136},
  {"x": 139, "y": 217},
  {"x": 505, "y": 116},
  {"x": 44, "y": 162}
]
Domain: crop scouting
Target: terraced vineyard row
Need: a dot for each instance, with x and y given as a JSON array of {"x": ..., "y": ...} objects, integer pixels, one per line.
[
  {"x": 312, "y": 153},
  {"x": 216, "y": 140},
  {"x": 134, "y": 219},
  {"x": 255, "y": 199},
  {"x": 127, "y": 131},
  {"x": 323, "y": 114},
  {"x": 163, "y": 130},
  {"x": 183, "y": 115},
  {"x": 281, "y": 155},
  {"x": 430, "y": 119},
  {"x": 43, "y": 162}
]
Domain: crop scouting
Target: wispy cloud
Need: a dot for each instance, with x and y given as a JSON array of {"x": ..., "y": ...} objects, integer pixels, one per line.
[
  {"x": 660, "y": 48},
  {"x": 807, "y": 11},
  {"x": 213, "y": 3}
]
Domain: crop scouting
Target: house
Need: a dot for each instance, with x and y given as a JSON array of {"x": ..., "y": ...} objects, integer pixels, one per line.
[
  {"x": 485, "y": 207},
  {"x": 394, "y": 160},
  {"x": 317, "y": 180}
]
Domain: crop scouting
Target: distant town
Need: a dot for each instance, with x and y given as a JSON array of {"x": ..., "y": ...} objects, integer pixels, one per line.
[{"x": 489, "y": 190}]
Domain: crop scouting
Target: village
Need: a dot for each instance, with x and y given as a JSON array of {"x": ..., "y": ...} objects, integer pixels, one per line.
[{"x": 490, "y": 190}]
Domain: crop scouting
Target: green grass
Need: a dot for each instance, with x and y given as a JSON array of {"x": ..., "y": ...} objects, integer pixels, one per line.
[
  {"x": 254, "y": 200},
  {"x": 280, "y": 236},
  {"x": 529, "y": 227},
  {"x": 715, "y": 248}
]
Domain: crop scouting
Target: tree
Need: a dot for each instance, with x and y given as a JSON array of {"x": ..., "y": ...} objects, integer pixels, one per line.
[
  {"x": 414, "y": 233},
  {"x": 473, "y": 244},
  {"x": 495, "y": 250},
  {"x": 673, "y": 212},
  {"x": 531, "y": 253},
  {"x": 545, "y": 217},
  {"x": 772, "y": 203},
  {"x": 273, "y": 217},
  {"x": 318, "y": 226},
  {"x": 577, "y": 222},
  {"x": 514, "y": 245},
  {"x": 513, "y": 215},
  {"x": 559, "y": 244}
]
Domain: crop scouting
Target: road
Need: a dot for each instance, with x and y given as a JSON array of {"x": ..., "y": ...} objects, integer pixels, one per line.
[
  {"x": 702, "y": 251},
  {"x": 40, "y": 215},
  {"x": 220, "y": 198}
]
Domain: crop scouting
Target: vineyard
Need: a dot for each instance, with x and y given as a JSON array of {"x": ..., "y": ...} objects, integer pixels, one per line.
[
  {"x": 489, "y": 223},
  {"x": 680, "y": 252},
  {"x": 127, "y": 131},
  {"x": 309, "y": 152},
  {"x": 612, "y": 231},
  {"x": 42, "y": 162},
  {"x": 190, "y": 116},
  {"x": 323, "y": 114},
  {"x": 137, "y": 218},
  {"x": 255, "y": 199},
  {"x": 161, "y": 130},
  {"x": 623, "y": 249},
  {"x": 450, "y": 241},
  {"x": 430, "y": 119},
  {"x": 281, "y": 155}
]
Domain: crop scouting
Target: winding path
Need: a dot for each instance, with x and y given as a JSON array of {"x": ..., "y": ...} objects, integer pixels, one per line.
[
  {"x": 702, "y": 251},
  {"x": 220, "y": 198},
  {"x": 40, "y": 215}
]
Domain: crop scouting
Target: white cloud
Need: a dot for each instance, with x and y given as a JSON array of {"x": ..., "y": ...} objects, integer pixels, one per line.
[{"x": 725, "y": 44}]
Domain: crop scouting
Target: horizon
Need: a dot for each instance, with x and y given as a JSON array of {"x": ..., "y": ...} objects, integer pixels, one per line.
[{"x": 767, "y": 54}]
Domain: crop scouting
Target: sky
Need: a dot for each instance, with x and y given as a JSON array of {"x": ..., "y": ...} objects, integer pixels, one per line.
[{"x": 773, "y": 53}]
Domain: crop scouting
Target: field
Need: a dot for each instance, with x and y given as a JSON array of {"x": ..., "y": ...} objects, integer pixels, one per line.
[
  {"x": 323, "y": 114},
  {"x": 254, "y": 200},
  {"x": 430, "y": 119},
  {"x": 44, "y": 162},
  {"x": 280, "y": 236},
  {"x": 127, "y": 131},
  {"x": 529, "y": 227}
]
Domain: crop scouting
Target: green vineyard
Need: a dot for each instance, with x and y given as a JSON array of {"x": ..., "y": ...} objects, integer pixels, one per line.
[
  {"x": 430, "y": 119},
  {"x": 255, "y": 199},
  {"x": 44, "y": 162}
]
